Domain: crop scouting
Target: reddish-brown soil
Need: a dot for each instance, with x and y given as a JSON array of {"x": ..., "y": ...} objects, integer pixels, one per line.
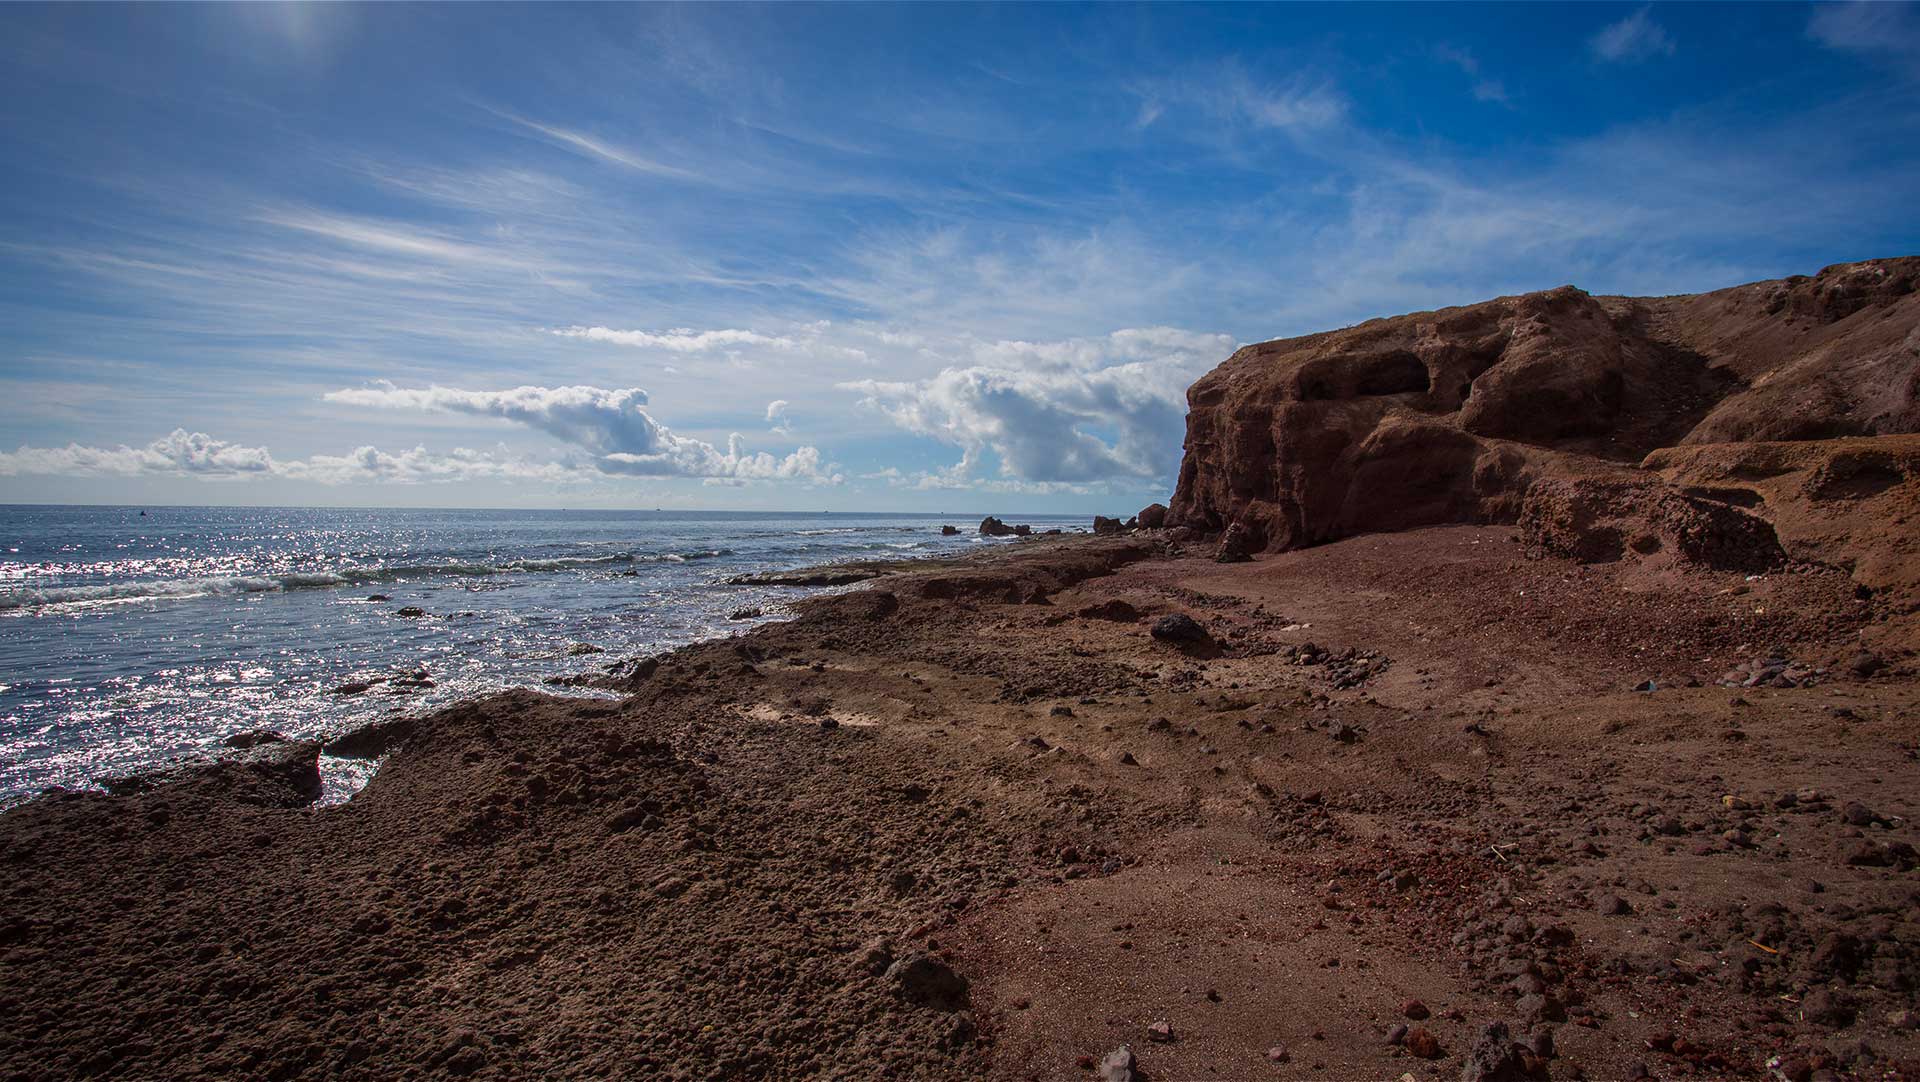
[{"x": 1032, "y": 831}]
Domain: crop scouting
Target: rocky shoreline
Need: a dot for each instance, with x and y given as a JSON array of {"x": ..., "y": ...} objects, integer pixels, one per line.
[
  {"x": 1520, "y": 691},
  {"x": 984, "y": 823}
]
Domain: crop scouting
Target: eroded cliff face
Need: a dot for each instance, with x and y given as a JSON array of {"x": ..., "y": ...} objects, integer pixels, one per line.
[
  {"x": 1743, "y": 429},
  {"x": 1456, "y": 415}
]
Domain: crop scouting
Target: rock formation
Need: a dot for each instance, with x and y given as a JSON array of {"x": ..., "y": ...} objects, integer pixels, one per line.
[{"x": 1735, "y": 428}]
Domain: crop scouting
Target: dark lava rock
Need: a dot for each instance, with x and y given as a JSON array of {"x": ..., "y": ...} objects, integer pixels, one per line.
[
  {"x": 1864, "y": 665},
  {"x": 1415, "y": 1010},
  {"x": 949, "y": 531},
  {"x": 929, "y": 982},
  {"x": 1422, "y": 1043},
  {"x": 1497, "y": 1058},
  {"x": 1859, "y": 815},
  {"x": 411, "y": 610},
  {"x": 1153, "y": 516},
  {"x": 582, "y": 649},
  {"x": 993, "y": 527},
  {"x": 1181, "y": 628},
  {"x": 378, "y": 597},
  {"x": 1541, "y": 1008},
  {"x": 746, "y": 614},
  {"x": 1612, "y": 905},
  {"x": 1106, "y": 526}
]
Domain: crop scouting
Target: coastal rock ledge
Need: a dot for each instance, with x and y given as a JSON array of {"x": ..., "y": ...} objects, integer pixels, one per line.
[{"x": 1670, "y": 406}]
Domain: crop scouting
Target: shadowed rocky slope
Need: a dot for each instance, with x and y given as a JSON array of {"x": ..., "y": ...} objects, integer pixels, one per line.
[{"x": 1738, "y": 428}]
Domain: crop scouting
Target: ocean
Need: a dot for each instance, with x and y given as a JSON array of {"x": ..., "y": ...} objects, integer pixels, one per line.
[{"x": 128, "y": 640}]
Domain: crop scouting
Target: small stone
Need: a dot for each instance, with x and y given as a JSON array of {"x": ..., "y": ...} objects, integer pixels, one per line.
[
  {"x": 1415, "y": 1010},
  {"x": 1127, "y": 759},
  {"x": 1279, "y": 1054},
  {"x": 1178, "y": 627},
  {"x": 1827, "y": 1007},
  {"x": 1858, "y": 815},
  {"x": 1397, "y": 1035},
  {"x": 874, "y": 958},
  {"x": 1541, "y": 1008},
  {"x": 1117, "y": 1066},
  {"x": 930, "y": 982},
  {"x": 1422, "y": 1044},
  {"x": 1160, "y": 1032},
  {"x": 1612, "y": 905}
]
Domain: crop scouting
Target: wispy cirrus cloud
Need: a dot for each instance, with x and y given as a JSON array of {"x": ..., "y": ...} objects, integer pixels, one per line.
[
  {"x": 1889, "y": 30},
  {"x": 1634, "y": 38},
  {"x": 1485, "y": 87},
  {"x": 677, "y": 340},
  {"x": 587, "y": 145}
]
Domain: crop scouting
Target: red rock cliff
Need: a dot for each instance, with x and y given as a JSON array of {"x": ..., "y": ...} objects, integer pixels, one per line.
[{"x": 1454, "y": 415}]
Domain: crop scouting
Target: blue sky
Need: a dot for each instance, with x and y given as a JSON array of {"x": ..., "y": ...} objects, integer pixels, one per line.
[{"x": 864, "y": 257}]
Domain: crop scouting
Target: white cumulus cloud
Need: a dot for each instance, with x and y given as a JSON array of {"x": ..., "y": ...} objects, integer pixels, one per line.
[
  {"x": 195, "y": 454},
  {"x": 609, "y": 423},
  {"x": 179, "y": 452},
  {"x": 1068, "y": 412}
]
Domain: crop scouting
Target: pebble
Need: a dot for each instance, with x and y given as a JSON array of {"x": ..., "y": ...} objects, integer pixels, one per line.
[
  {"x": 1612, "y": 905},
  {"x": 1415, "y": 1010},
  {"x": 1160, "y": 1032},
  {"x": 1423, "y": 1044},
  {"x": 1118, "y": 1066},
  {"x": 1279, "y": 1054}
]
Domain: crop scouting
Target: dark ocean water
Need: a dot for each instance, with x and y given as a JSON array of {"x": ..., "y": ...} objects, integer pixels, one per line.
[{"x": 127, "y": 641}]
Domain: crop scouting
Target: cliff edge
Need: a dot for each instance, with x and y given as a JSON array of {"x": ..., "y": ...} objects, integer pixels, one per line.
[{"x": 1739, "y": 428}]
